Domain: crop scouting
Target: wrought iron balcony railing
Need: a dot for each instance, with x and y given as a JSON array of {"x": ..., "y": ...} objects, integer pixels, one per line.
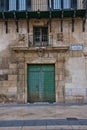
[
  {"x": 42, "y": 5},
  {"x": 40, "y": 40}
]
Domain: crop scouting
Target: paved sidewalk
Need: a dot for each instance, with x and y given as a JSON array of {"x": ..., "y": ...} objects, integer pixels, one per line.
[{"x": 43, "y": 117}]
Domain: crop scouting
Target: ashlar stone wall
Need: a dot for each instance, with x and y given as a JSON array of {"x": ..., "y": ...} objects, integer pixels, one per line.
[{"x": 71, "y": 77}]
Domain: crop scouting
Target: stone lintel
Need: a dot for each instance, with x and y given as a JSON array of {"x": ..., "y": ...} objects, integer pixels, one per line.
[{"x": 59, "y": 48}]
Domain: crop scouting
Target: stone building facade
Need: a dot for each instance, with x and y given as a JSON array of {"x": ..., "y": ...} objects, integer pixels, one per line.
[{"x": 43, "y": 52}]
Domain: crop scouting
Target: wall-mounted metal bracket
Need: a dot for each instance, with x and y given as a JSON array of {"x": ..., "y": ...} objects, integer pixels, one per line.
[
  {"x": 84, "y": 21},
  {"x": 17, "y": 27},
  {"x": 16, "y": 22},
  {"x": 73, "y": 20},
  {"x": 62, "y": 21},
  {"x": 6, "y": 26},
  {"x": 50, "y": 19},
  {"x": 6, "y": 22},
  {"x": 27, "y": 20}
]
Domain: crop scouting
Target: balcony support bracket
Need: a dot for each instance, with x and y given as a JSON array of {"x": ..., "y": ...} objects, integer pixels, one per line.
[
  {"x": 6, "y": 26},
  {"x": 73, "y": 20},
  {"x": 16, "y": 22},
  {"x": 62, "y": 21},
  {"x": 50, "y": 19},
  {"x": 84, "y": 21},
  {"x": 27, "y": 20},
  {"x": 17, "y": 27}
]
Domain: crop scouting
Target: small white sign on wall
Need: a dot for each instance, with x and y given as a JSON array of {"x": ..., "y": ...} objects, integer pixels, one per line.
[{"x": 76, "y": 47}]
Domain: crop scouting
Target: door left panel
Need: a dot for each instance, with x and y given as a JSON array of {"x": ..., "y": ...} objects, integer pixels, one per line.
[{"x": 33, "y": 83}]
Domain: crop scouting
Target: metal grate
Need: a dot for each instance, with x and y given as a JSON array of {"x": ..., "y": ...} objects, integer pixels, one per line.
[{"x": 72, "y": 119}]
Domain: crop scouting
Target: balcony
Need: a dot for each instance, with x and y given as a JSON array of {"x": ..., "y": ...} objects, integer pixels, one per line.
[
  {"x": 40, "y": 41},
  {"x": 42, "y": 5},
  {"x": 32, "y": 41},
  {"x": 35, "y": 43},
  {"x": 26, "y": 9}
]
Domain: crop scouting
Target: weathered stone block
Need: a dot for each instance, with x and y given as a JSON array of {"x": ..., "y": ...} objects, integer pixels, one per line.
[
  {"x": 1, "y": 72},
  {"x": 9, "y": 84},
  {"x": 21, "y": 71},
  {"x": 12, "y": 91},
  {"x": 21, "y": 77},
  {"x": 19, "y": 55},
  {"x": 61, "y": 84},
  {"x": 3, "y": 77},
  {"x": 13, "y": 72},
  {"x": 61, "y": 77},
  {"x": 61, "y": 100},
  {"x": 5, "y": 62},
  {"x": 57, "y": 77},
  {"x": 1, "y": 83},
  {"x": 21, "y": 65},
  {"x": 20, "y": 85},
  {"x": 5, "y": 71},
  {"x": 12, "y": 77},
  {"x": 70, "y": 53},
  {"x": 60, "y": 65},
  {"x": 61, "y": 71},
  {"x": 12, "y": 66}
]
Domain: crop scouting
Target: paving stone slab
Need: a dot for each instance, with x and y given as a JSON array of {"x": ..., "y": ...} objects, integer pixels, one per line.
[
  {"x": 45, "y": 122},
  {"x": 10, "y": 128}
]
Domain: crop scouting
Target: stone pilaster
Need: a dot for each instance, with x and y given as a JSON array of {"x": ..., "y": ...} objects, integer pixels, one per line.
[{"x": 20, "y": 79}]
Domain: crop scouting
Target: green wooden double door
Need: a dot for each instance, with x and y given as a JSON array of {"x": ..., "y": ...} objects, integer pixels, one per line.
[{"x": 41, "y": 83}]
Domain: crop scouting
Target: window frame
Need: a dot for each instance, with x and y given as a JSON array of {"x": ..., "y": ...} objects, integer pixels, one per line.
[
  {"x": 28, "y": 5},
  {"x": 18, "y": 7},
  {"x": 4, "y": 5},
  {"x": 73, "y": 4},
  {"x": 40, "y": 37}
]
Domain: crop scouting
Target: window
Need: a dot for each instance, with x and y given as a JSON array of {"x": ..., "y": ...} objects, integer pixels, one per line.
[
  {"x": 74, "y": 4},
  {"x": 4, "y": 5},
  {"x": 1, "y": 5},
  {"x": 28, "y": 4},
  {"x": 12, "y": 4},
  {"x": 66, "y": 4},
  {"x": 19, "y": 4},
  {"x": 63, "y": 4},
  {"x": 40, "y": 36},
  {"x": 48, "y": 5},
  {"x": 57, "y": 4},
  {"x": 22, "y": 5}
]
